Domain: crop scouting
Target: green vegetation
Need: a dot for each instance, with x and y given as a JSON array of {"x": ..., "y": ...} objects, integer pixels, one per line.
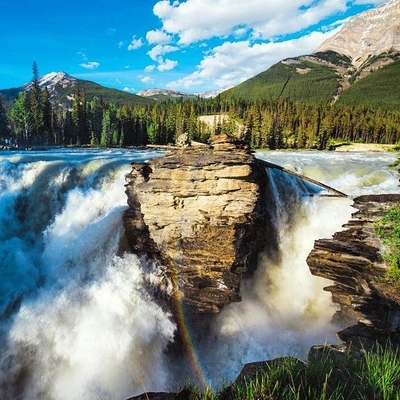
[
  {"x": 364, "y": 375},
  {"x": 388, "y": 228},
  {"x": 377, "y": 90},
  {"x": 276, "y": 122},
  {"x": 299, "y": 81}
]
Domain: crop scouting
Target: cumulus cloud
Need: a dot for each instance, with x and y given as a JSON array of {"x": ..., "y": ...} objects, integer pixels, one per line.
[
  {"x": 166, "y": 65},
  {"x": 374, "y": 2},
  {"x": 135, "y": 43},
  {"x": 158, "y": 37},
  {"x": 90, "y": 65},
  {"x": 146, "y": 79},
  {"x": 157, "y": 51},
  {"x": 233, "y": 62},
  {"x": 195, "y": 20}
]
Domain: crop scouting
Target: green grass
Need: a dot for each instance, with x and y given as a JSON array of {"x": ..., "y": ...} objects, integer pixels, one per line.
[
  {"x": 363, "y": 375},
  {"x": 388, "y": 228}
]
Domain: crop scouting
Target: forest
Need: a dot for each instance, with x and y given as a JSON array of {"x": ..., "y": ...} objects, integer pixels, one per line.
[{"x": 34, "y": 120}]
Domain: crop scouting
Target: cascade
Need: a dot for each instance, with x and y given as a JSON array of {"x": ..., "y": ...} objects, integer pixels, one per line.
[{"x": 76, "y": 317}]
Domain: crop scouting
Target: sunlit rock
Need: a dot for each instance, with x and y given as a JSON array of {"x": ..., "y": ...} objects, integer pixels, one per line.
[
  {"x": 353, "y": 260},
  {"x": 199, "y": 211}
]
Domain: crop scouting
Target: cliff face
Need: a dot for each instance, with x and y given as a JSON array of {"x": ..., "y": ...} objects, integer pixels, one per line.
[
  {"x": 368, "y": 34},
  {"x": 353, "y": 260},
  {"x": 199, "y": 211}
]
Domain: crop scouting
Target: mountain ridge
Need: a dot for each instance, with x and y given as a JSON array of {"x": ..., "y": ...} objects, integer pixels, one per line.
[{"x": 366, "y": 45}]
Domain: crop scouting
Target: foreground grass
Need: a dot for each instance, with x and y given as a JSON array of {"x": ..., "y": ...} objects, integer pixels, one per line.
[
  {"x": 388, "y": 228},
  {"x": 361, "y": 376}
]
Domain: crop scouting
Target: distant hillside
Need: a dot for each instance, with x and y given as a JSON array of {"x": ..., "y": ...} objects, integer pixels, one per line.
[
  {"x": 62, "y": 87},
  {"x": 165, "y": 95},
  {"x": 309, "y": 79},
  {"x": 357, "y": 65},
  {"x": 380, "y": 89},
  {"x": 161, "y": 94}
]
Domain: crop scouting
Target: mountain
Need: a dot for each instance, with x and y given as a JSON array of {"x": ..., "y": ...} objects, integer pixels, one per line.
[
  {"x": 162, "y": 94},
  {"x": 360, "y": 64},
  {"x": 62, "y": 87}
]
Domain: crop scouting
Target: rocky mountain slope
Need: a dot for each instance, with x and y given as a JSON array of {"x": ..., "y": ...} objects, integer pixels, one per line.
[
  {"x": 367, "y": 46},
  {"x": 367, "y": 35}
]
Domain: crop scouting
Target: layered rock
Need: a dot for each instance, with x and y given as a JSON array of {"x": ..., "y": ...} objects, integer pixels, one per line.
[
  {"x": 353, "y": 260},
  {"x": 368, "y": 34},
  {"x": 199, "y": 211}
]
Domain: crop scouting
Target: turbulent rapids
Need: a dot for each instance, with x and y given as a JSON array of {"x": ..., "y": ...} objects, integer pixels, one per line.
[{"x": 77, "y": 319}]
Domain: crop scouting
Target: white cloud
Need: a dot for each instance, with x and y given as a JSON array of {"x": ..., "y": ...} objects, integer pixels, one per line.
[
  {"x": 166, "y": 65},
  {"x": 157, "y": 51},
  {"x": 234, "y": 62},
  {"x": 90, "y": 65},
  {"x": 129, "y": 89},
  {"x": 150, "y": 68},
  {"x": 374, "y": 2},
  {"x": 158, "y": 37},
  {"x": 146, "y": 79},
  {"x": 135, "y": 43},
  {"x": 196, "y": 20}
]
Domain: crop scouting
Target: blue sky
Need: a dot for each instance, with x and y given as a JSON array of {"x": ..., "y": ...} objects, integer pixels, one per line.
[{"x": 190, "y": 45}]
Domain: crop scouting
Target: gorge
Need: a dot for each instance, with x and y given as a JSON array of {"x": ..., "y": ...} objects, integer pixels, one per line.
[{"x": 79, "y": 316}]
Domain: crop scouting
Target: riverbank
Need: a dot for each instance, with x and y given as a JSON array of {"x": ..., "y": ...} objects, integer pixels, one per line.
[{"x": 369, "y": 147}]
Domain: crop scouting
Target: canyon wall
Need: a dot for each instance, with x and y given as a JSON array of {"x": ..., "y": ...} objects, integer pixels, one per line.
[{"x": 369, "y": 307}]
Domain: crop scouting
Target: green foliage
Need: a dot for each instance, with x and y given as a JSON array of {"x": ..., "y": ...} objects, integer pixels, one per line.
[
  {"x": 294, "y": 79},
  {"x": 364, "y": 375},
  {"x": 388, "y": 228},
  {"x": 380, "y": 89},
  {"x": 4, "y": 123}
]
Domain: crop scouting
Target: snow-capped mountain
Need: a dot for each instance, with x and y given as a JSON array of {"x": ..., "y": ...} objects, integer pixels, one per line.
[
  {"x": 52, "y": 79},
  {"x": 368, "y": 34},
  {"x": 158, "y": 94}
]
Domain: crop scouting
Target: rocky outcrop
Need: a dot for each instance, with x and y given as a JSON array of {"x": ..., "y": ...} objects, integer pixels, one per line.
[
  {"x": 368, "y": 34},
  {"x": 199, "y": 211},
  {"x": 353, "y": 260}
]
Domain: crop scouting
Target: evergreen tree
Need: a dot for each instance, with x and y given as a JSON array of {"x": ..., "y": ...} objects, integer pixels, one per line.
[
  {"x": 20, "y": 117},
  {"x": 47, "y": 118},
  {"x": 4, "y": 127},
  {"x": 35, "y": 106}
]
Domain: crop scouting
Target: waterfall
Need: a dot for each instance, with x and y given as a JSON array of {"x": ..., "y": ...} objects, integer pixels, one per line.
[{"x": 76, "y": 318}]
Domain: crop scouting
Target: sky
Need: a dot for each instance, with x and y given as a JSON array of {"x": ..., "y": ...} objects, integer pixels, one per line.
[{"x": 187, "y": 45}]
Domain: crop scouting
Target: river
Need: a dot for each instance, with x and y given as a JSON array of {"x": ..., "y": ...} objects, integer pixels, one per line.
[{"x": 76, "y": 319}]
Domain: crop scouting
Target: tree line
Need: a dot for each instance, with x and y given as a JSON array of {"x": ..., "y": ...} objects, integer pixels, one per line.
[{"x": 35, "y": 120}]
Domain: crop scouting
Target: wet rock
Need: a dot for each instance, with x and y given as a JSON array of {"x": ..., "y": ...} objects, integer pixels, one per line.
[{"x": 353, "y": 260}]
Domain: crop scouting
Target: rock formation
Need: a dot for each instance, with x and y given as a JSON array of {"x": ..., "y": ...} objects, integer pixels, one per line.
[
  {"x": 368, "y": 34},
  {"x": 199, "y": 211},
  {"x": 353, "y": 260}
]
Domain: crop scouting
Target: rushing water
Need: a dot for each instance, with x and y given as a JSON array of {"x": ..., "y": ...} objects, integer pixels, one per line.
[{"x": 76, "y": 319}]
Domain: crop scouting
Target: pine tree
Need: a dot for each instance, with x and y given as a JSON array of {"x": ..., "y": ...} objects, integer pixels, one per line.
[
  {"x": 4, "y": 127},
  {"x": 20, "y": 117},
  {"x": 35, "y": 106},
  {"x": 47, "y": 118}
]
